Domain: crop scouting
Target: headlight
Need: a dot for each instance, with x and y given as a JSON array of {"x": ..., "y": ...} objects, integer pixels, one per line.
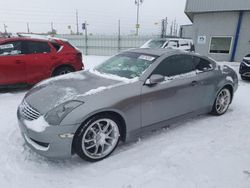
[{"x": 56, "y": 115}]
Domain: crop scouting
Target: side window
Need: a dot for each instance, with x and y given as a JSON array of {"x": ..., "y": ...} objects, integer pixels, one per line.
[
  {"x": 202, "y": 64},
  {"x": 37, "y": 47},
  {"x": 11, "y": 48},
  {"x": 175, "y": 65},
  {"x": 173, "y": 44},
  {"x": 184, "y": 43}
]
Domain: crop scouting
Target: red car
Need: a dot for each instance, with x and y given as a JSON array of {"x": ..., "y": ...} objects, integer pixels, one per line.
[{"x": 27, "y": 60}]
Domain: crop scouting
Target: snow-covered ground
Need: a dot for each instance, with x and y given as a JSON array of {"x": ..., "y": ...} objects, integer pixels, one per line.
[{"x": 203, "y": 152}]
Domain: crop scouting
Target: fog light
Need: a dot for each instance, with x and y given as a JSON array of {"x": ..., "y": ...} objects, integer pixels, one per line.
[{"x": 66, "y": 135}]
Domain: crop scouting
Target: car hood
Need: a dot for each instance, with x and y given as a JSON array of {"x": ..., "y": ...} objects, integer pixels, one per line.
[{"x": 74, "y": 86}]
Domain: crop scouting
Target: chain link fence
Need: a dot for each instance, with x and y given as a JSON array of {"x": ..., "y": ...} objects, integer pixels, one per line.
[{"x": 106, "y": 45}]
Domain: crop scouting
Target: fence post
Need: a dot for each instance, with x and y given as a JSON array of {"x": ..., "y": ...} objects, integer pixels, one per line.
[
  {"x": 119, "y": 35},
  {"x": 86, "y": 39}
]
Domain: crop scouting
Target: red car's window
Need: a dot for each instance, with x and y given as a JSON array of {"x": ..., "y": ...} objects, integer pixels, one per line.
[
  {"x": 56, "y": 46},
  {"x": 11, "y": 48},
  {"x": 34, "y": 47}
]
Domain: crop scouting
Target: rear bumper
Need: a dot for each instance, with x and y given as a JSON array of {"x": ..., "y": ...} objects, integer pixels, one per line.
[
  {"x": 49, "y": 143},
  {"x": 244, "y": 69}
]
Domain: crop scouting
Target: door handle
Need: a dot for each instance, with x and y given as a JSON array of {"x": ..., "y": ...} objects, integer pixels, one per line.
[
  {"x": 19, "y": 62},
  {"x": 194, "y": 83}
]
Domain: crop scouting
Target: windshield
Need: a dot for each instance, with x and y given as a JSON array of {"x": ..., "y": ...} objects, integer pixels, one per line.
[
  {"x": 154, "y": 44},
  {"x": 127, "y": 65}
]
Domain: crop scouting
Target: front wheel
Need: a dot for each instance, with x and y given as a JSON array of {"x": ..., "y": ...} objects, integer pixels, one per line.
[
  {"x": 222, "y": 102},
  {"x": 98, "y": 138}
]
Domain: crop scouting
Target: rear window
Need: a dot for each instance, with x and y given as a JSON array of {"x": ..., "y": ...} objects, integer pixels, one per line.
[{"x": 56, "y": 46}]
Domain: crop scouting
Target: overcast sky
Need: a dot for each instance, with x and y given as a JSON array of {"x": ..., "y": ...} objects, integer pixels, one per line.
[{"x": 101, "y": 15}]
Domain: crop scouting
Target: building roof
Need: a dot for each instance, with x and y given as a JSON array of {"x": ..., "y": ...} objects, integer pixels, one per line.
[{"x": 202, "y": 6}]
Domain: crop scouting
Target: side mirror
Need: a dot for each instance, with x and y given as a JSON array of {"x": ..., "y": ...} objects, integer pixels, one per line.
[{"x": 155, "y": 79}]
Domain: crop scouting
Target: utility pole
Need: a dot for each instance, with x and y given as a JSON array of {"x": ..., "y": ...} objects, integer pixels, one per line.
[
  {"x": 162, "y": 28},
  {"x": 119, "y": 35},
  {"x": 171, "y": 28},
  {"x": 166, "y": 26},
  {"x": 52, "y": 27},
  {"x": 84, "y": 27},
  {"x": 5, "y": 28},
  {"x": 138, "y": 3},
  {"x": 77, "y": 23},
  {"x": 28, "y": 27},
  {"x": 174, "y": 27}
]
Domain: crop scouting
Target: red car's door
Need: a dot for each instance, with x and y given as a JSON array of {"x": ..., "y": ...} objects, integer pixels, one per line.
[
  {"x": 39, "y": 60},
  {"x": 12, "y": 63}
]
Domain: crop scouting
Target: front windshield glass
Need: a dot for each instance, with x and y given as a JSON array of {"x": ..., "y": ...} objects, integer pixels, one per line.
[
  {"x": 154, "y": 44},
  {"x": 127, "y": 65}
]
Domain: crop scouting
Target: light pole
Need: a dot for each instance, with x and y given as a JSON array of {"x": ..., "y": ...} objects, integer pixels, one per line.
[{"x": 138, "y": 3}]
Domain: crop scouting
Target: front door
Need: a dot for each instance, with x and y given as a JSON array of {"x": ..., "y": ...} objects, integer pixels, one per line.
[
  {"x": 12, "y": 63},
  {"x": 174, "y": 97}
]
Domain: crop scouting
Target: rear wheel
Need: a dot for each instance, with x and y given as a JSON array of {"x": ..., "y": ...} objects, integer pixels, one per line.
[
  {"x": 222, "y": 102},
  {"x": 97, "y": 138},
  {"x": 62, "y": 71}
]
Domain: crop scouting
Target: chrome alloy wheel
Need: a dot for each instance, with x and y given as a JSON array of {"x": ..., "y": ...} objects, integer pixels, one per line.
[
  {"x": 223, "y": 101},
  {"x": 100, "y": 138}
]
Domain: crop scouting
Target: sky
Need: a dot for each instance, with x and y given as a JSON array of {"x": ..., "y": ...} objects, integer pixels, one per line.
[{"x": 101, "y": 15}]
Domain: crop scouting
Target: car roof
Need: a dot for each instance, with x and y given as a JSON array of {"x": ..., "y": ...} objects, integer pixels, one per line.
[
  {"x": 23, "y": 39},
  {"x": 171, "y": 38},
  {"x": 155, "y": 51},
  {"x": 33, "y": 37}
]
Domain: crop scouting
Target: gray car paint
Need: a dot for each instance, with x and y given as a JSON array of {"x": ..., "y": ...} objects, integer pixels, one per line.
[{"x": 141, "y": 106}]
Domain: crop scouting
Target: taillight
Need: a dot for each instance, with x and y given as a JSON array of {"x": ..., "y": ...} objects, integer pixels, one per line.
[{"x": 79, "y": 56}]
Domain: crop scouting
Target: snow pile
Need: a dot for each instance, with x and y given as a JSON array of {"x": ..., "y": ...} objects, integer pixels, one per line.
[
  {"x": 100, "y": 89},
  {"x": 66, "y": 94},
  {"x": 38, "y": 125},
  {"x": 94, "y": 91}
]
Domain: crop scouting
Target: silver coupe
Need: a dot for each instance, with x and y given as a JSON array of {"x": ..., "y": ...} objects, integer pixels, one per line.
[{"x": 90, "y": 112}]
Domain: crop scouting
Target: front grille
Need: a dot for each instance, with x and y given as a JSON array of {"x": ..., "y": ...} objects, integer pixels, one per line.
[{"x": 28, "y": 112}]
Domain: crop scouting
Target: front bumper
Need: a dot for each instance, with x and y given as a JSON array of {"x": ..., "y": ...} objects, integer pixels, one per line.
[
  {"x": 48, "y": 143},
  {"x": 244, "y": 69}
]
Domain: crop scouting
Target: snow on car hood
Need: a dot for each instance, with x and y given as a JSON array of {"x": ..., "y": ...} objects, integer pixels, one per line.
[{"x": 76, "y": 86}]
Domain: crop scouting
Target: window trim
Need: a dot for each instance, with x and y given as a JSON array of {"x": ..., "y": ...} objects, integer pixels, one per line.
[{"x": 231, "y": 44}]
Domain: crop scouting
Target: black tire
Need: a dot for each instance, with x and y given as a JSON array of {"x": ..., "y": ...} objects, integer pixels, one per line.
[
  {"x": 62, "y": 70},
  {"x": 243, "y": 77},
  {"x": 83, "y": 132},
  {"x": 215, "y": 110}
]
